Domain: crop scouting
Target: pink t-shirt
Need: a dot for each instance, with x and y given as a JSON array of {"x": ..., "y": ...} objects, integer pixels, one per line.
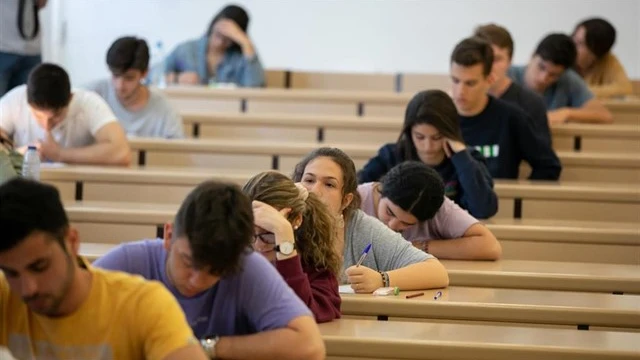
[{"x": 450, "y": 222}]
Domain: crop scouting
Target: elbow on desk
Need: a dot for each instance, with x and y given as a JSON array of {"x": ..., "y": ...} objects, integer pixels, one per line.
[
  {"x": 314, "y": 351},
  {"x": 122, "y": 156}
]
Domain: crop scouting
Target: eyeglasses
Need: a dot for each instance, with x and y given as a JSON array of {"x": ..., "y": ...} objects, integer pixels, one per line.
[{"x": 267, "y": 238}]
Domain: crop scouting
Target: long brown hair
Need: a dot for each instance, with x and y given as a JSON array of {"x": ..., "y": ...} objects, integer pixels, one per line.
[{"x": 316, "y": 236}]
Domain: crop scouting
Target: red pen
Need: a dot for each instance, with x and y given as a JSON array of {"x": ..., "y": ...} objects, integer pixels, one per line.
[{"x": 414, "y": 295}]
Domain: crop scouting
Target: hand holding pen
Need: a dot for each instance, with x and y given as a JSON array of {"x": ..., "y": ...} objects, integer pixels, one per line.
[{"x": 363, "y": 279}]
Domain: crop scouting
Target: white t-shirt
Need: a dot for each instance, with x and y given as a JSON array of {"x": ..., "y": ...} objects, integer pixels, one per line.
[{"x": 88, "y": 113}]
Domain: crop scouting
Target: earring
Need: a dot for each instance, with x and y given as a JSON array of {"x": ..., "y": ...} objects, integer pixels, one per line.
[{"x": 295, "y": 227}]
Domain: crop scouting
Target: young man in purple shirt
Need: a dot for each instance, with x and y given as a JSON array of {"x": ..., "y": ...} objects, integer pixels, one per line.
[{"x": 231, "y": 296}]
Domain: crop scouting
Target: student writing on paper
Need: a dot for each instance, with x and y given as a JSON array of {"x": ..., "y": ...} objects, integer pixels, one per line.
[
  {"x": 410, "y": 199},
  {"x": 295, "y": 231},
  {"x": 54, "y": 305},
  {"x": 392, "y": 261},
  {"x": 431, "y": 134},
  {"x": 229, "y": 293}
]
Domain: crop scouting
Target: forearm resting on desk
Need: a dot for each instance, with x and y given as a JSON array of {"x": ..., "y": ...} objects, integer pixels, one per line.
[
  {"x": 428, "y": 274},
  {"x": 478, "y": 243}
]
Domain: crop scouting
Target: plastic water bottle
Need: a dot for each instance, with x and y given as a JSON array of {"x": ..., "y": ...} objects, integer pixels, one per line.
[
  {"x": 31, "y": 164},
  {"x": 157, "y": 58}
]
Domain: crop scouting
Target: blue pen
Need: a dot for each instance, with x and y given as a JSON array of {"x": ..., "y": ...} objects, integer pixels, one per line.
[
  {"x": 438, "y": 294},
  {"x": 364, "y": 254}
]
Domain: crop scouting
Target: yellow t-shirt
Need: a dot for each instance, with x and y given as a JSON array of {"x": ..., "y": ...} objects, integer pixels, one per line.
[{"x": 124, "y": 317}]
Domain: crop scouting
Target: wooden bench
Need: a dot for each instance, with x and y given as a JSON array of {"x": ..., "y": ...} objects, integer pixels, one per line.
[
  {"x": 350, "y": 339},
  {"x": 547, "y": 240},
  {"x": 502, "y": 307},
  {"x": 517, "y": 198},
  {"x": 545, "y": 275},
  {"x": 329, "y": 102},
  {"x": 284, "y": 155},
  {"x": 379, "y": 130}
]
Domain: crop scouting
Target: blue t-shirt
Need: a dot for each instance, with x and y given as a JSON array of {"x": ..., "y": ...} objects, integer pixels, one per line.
[
  {"x": 255, "y": 299},
  {"x": 569, "y": 91}
]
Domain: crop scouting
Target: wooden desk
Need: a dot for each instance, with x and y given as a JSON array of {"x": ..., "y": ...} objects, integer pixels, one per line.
[
  {"x": 541, "y": 275},
  {"x": 349, "y": 339},
  {"x": 573, "y": 309},
  {"x": 379, "y": 130},
  {"x": 547, "y": 240},
  {"x": 284, "y": 155},
  {"x": 330, "y": 102}
]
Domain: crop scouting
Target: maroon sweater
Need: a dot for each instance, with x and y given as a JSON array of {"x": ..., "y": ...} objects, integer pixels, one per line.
[{"x": 318, "y": 288}]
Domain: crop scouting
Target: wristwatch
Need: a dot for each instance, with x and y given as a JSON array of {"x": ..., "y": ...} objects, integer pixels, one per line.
[
  {"x": 209, "y": 345},
  {"x": 285, "y": 248}
]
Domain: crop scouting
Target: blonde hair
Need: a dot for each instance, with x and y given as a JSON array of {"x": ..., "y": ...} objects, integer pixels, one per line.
[{"x": 316, "y": 236}]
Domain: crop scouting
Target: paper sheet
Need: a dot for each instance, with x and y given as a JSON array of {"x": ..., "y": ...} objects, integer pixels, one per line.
[{"x": 346, "y": 289}]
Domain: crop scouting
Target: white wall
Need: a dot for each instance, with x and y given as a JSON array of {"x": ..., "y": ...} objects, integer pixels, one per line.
[{"x": 349, "y": 35}]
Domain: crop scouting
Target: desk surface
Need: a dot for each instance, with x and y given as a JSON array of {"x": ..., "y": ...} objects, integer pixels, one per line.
[
  {"x": 372, "y": 339},
  {"x": 503, "y": 305},
  {"x": 564, "y": 276}
]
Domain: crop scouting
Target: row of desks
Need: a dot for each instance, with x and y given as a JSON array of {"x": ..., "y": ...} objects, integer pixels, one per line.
[
  {"x": 334, "y": 102},
  {"x": 518, "y": 199},
  {"x": 380, "y": 130},
  {"x": 284, "y": 155}
]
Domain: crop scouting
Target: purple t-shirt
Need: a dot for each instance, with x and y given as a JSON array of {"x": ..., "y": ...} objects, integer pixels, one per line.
[
  {"x": 450, "y": 222},
  {"x": 255, "y": 299}
]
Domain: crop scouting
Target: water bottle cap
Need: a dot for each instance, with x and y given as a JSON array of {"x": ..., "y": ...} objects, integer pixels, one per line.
[{"x": 32, "y": 147}]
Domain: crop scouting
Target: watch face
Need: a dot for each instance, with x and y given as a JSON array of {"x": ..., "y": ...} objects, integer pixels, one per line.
[{"x": 286, "y": 248}]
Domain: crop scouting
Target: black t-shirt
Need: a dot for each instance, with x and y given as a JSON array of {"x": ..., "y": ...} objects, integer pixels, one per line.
[
  {"x": 504, "y": 135},
  {"x": 532, "y": 104}
]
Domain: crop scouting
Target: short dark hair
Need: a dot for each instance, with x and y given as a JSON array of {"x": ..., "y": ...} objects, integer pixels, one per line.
[
  {"x": 557, "y": 48},
  {"x": 472, "y": 51},
  {"x": 48, "y": 87},
  {"x": 349, "y": 177},
  {"x": 27, "y": 206},
  {"x": 415, "y": 188},
  {"x": 128, "y": 53},
  {"x": 600, "y": 35},
  {"x": 496, "y": 35},
  {"x": 235, "y": 13},
  {"x": 433, "y": 107},
  {"x": 216, "y": 219}
]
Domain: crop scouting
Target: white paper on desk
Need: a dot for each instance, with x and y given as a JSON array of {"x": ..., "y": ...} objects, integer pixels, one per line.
[
  {"x": 346, "y": 289},
  {"x": 51, "y": 165}
]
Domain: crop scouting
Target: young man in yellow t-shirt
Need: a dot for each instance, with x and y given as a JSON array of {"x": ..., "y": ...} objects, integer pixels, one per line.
[{"x": 53, "y": 305}]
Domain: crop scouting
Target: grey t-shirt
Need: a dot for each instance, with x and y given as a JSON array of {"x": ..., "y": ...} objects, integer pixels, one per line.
[
  {"x": 532, "y": 104},
  {"x": 569, "y": 91},
  {"x": 156, "y": 119},
  {"x": 389, "y": 250}
]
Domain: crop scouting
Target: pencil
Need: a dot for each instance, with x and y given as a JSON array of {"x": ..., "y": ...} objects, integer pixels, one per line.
[{"x": 414, "y": 295}]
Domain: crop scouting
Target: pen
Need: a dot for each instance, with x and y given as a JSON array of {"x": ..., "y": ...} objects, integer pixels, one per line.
[
  {"x": 438, "y": 294},
  {"x": 414, "y": 295},
  {"x": 364, "y": 254}
]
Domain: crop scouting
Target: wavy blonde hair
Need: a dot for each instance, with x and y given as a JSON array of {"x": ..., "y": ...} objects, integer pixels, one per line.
[{"x": 316, "y": 236}]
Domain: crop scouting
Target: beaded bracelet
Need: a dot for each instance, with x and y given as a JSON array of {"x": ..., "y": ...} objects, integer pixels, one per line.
[{"x": 385, "y": 279}]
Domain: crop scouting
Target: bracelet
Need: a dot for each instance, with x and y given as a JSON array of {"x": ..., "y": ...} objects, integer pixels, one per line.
[{"x": 385, "y": 279}]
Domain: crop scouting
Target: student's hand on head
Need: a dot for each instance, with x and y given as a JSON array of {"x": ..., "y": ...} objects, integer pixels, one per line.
[
  {"x": 188, "y": 78},
  {"x": 49, "y": 148},
  {"x": 363, "y": 280},
  {"x": 270, "y": 219},
  {"x": 453, "y": 147},
  {"x": 230, "y": 29},
  {"x": 558, "y": 116}
]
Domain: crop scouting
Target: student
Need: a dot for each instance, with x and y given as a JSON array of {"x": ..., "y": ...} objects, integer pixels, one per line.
[
  {"x": 600, "y": 69},
  {"x": 66, "y": 126},
  {"x": 566, "y": 95},
  {"x": 392, "y": 261},
  {"x": 231, "y": 295},
  {"x": 431, "y": 134},
  {"x": 140, "y": 110},
  {"x": 54, "y": 305},
  {"x": 410, "y": 199},
  {"x": 20, "y": 41},
  {"x": 295, "y": 230},
  {"x": 225, "y": 54},
  {"x": 504, "y": 88},
  {"x": 500, "y": 131}
]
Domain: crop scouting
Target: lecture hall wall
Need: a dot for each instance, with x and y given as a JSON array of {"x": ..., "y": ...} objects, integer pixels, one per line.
[{"x": 386, "y": 36}]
